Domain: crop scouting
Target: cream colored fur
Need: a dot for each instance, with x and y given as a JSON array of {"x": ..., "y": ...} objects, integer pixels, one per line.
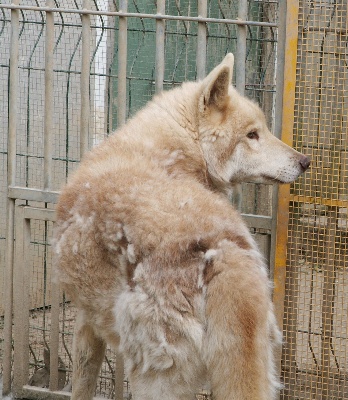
[{"x": 157, "y": 261}]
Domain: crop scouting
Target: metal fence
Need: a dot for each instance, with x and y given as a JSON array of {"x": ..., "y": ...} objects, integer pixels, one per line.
[
  {"x": 71, "y": 72},
  {"x": 314, "y": 275}
]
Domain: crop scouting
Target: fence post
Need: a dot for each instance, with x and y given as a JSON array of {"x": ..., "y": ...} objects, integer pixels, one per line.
[
  {"x": 121, "y": 119},
  {"x": 84, "y": 83},
  {"x": 160, "y": 37},
  {"x": 282, "y": 218},
  {"x": 10, "y": 205},
  {"x": 48, "y": 123},
  {"x": 201, "y": 59},
  {"x": 21, "y": 303},
  {"x": 240, "y": 78},
  {"x": 122, "y": 66}
]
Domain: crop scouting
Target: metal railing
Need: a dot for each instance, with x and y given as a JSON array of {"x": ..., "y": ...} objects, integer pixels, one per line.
[{"x": 54, "y": 117}]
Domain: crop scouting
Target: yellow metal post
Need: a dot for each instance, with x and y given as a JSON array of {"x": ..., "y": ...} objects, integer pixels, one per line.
[
  {"x": 280, "y": 257},
  {"x": 287, "y": 137}
]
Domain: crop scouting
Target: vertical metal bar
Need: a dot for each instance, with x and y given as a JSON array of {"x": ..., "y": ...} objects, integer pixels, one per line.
[
  {"x": 48, "y": 127},
  {"x": 280, "y": 65},
  {"x": 201, "y": 58},
  {"x": 85, "y": 69},
  {"x": 241, "y": 47},
  {"x": 10, "y": 205},
  {"x": 121, "y": 119},
  {"x": 240, "y": 77},
  {"x": 280, "y": 253},
  {"x": 122, "y": 66},
  {"x": 21, "y": 303},
  {"x": 48, "y": 134},
  {"x": 8, "y": 297},
  {"x": 287, "y": 137},
  {"x": 160, "y": 36},
  {"x": 119, "y": 377},
  {"x": 278, "y": 113},
  {"x": 54, "y": 335},
  {"x": 110, "y": 52}
]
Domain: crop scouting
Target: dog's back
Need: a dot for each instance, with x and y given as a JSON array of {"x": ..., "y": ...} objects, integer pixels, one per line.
[{"x": 156, "y": 259}]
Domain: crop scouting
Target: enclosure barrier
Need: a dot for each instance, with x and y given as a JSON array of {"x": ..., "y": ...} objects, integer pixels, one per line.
[
  {"x": 100, "y": 66},
  {"x": 311, "y": 267}
]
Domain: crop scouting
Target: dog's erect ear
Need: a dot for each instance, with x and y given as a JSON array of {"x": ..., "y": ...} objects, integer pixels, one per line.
[{"x": 216, "y": 84}]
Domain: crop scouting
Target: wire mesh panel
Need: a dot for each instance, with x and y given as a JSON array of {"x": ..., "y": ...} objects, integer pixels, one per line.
[{"x": 315, "y": 358}]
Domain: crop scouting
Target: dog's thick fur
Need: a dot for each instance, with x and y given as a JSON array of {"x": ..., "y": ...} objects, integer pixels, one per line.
[{"x": 157, "y": 261}]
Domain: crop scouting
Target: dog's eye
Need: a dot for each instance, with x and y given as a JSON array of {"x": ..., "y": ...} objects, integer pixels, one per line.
[{"x": 253, "y": 135}]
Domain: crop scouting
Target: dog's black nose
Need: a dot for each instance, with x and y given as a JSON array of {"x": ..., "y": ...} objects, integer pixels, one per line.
[{"x": 305, "y": 162}]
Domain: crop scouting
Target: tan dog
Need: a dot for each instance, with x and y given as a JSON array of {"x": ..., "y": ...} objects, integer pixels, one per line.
[{"x": 156, "y": 259}]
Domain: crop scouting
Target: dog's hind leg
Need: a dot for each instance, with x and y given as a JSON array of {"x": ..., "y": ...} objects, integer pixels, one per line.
[
  {"x": 240, "y": 327},
  {"x": 88, "y": 354}
]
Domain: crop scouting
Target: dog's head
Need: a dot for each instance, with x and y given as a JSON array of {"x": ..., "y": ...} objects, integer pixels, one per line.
[{"x": 236, "y": 142}]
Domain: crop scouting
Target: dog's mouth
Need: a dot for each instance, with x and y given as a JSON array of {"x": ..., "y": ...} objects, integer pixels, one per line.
[
  {"x": 271, "y": 179},
  {"x": 265, "y": 179}
]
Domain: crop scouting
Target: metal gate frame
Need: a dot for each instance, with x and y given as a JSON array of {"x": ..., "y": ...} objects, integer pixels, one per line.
[
  {"x": 21, "y": 283},
  {"x": 24, "y": 215},
  {"x": 18, "y": 218}
]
